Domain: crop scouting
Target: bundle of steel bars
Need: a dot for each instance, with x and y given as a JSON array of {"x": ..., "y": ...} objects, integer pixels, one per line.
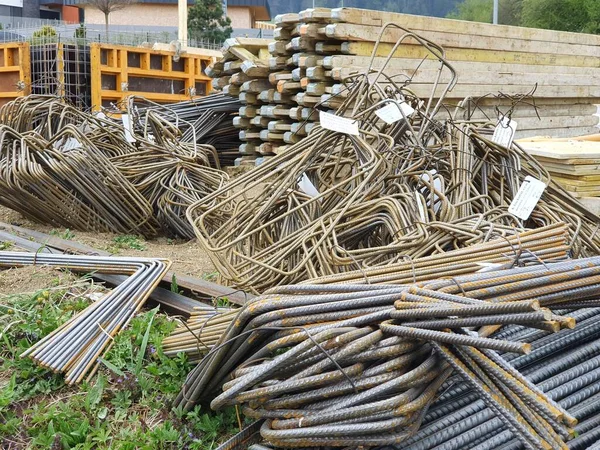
[
  {"x": 74, "y": 347},
  {"x": 199, "y": 333},
  {"x": 363, "y": 363},
  {"x": 204, "y": 121}
]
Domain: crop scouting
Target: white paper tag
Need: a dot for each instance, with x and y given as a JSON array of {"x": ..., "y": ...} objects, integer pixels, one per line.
[
  {"x": 338, "y": 124},
  {"x": 307, "y": 187},
  {"x": 504, "y": 132},
  {"x": 392, "y": 112},
  {"x": 65, "y": 145},
  {"x": 429, "y": 177},
  {"x": 528, "y": 196},
  {"x": 421, "y": 208},
  {"x": 127, "y": 126}
]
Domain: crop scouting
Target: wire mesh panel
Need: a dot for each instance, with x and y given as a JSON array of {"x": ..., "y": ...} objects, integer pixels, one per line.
[
  {"x": 77, "y": 78},
  {"x": 63, "y": 70}
]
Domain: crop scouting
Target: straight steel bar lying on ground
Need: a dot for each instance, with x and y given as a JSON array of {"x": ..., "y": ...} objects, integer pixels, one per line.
[
  {"x": 74, "y": 347},
  {"x": 208, "y": 291}
]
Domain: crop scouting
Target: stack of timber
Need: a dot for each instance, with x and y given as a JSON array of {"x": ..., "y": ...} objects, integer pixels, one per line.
[
  {"x": 561, "y": 69},
  {"x": 548, "y": 81},
  {"x": 243, "y": 73},
  {"x": 573, "y": 163}
]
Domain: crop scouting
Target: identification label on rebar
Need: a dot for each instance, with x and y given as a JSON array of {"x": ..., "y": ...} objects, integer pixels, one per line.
[
  {"x": 338, "y": 124},
  {"x": 527, "y": 198},
  {"x": 307, "y": 187},
  {"x": 127, "y": 127},
  {"x": 393, "y": 112},
  {"x": 504, "y": 132}
]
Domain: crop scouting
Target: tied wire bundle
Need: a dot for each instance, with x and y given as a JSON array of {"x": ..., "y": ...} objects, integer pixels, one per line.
[
  {"x": 362, "y": 363},
  {"x": 336, "y": 202},
  {"x": 74, "y": 347}
]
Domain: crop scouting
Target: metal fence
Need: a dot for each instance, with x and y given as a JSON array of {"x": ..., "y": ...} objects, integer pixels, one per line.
[
  {"x": 14, "y": 24},
  {"x": 25, "y": 31},
  {"x": 70, "y": 33}
]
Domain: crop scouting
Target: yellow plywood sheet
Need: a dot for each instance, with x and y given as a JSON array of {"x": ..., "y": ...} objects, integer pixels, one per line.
[{"x": 564, "y": 150}]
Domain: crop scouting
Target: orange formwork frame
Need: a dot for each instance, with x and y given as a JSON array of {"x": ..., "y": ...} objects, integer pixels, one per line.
[
  {"x": 118, "y": 71},
  {"x": 15, "y": 70}
]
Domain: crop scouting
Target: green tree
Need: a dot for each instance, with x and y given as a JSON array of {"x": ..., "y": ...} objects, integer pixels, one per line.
[
  {"x": 509, "y": 11},
  {"x": 206, "y": 21},
  {"x": 565, "y": 15}
]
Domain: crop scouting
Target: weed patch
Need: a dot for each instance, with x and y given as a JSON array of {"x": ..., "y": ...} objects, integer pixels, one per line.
[{"x": 126, "y": 405}]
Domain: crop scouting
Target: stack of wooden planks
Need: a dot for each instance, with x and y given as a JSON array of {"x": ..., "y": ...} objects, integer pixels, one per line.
[
  {"x": 573, "y": 163},
  {"x": 243, "y": 72},
  {"x": 316, "y": 50}
]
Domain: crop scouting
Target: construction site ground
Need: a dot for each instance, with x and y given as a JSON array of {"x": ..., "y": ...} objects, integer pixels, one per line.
[{"x": 187, "y": 257}]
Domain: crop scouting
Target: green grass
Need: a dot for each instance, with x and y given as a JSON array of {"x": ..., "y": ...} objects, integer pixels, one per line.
[
  {"x": 127, "y": 405},
  {"x": 127, "y": 242},
  {"x": 65, "y": 234},
  {"x": 5, "y": 245}
]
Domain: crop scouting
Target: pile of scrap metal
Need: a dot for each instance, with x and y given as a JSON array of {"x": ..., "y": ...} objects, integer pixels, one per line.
[{"x": 65, "y": 167}]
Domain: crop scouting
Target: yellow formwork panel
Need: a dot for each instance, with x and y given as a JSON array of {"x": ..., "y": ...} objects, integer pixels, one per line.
[
  {"x": 118, "y": 71},
  {"x": 15, "y": 71}
]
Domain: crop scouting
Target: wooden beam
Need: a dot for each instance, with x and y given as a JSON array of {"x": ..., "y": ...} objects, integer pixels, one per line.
[{"x": 424, "y": 23}]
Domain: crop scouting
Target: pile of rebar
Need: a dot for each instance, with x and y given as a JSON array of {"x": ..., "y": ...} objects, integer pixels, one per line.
[
  {"x": 564, "y": 367},
  {"x": 368, "y": 193},
  {"x": 362, "y": 363},
  {"x": 206, "y": 325},
  {"x": 74, "y": 347},
  {"x": 69, "y": 168},
  {"x": 206, "y": 121},
  {"x": 67, "y": 181},
  {"x": 199, "y": 333}
]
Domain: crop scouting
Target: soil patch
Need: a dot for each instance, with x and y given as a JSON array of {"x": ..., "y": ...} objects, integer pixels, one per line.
[
  {"x": 187, "y": 256},
  {"x": 30, "y": 279}
]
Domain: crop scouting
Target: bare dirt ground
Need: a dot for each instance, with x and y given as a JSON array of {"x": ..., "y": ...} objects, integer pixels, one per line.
[
  {"x": 31, "y": 279},
  {"x": 187, "y": 257}
]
